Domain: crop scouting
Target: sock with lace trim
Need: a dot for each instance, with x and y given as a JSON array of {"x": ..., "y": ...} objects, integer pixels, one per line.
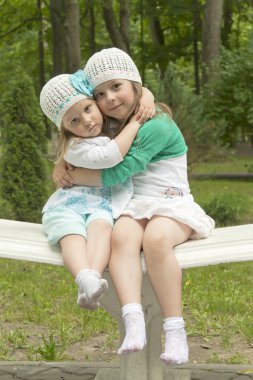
[
  {"x": 176, "y": 346},
  {"x": 91, "y": 286},
  {"x": 135, "y": 338}
]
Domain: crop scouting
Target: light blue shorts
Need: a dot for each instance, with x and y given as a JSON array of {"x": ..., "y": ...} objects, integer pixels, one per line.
[{"x": 62, "y": 221}]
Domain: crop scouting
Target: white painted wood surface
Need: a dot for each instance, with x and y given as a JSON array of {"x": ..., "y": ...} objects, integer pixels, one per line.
[{"x": 26, "y": 241}]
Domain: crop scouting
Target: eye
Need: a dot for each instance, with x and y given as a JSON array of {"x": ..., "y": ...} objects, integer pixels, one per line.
[
  {"x": 87, "y": 108},
  {"x": 116, "y": 86},
  {"x": 74, "y": 121},
  {"x": 98, "y": 95}
]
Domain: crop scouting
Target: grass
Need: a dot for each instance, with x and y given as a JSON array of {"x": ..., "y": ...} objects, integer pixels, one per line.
[
  {"x": 231, "y": 164},
  {"x": 40, "y": 319},
  {"x": 38, "y": 308}
]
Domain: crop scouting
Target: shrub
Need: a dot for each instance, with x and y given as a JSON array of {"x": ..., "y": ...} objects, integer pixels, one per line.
[
  {"x": 23, "y": 168},
  {"x": 225, "y": 208},
  {"x": 188, "y": 112}
]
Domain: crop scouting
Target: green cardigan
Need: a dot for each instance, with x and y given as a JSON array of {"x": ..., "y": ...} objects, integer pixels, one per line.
[{"x": 158, "y": 139}]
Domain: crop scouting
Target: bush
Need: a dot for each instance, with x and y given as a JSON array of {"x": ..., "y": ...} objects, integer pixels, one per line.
[
  {"x": 23, "y": 169},
  {"x": 229, "y": 98},
  {"x": 225, "y": 208},
  {"x": 188, "y": 112},
  {"x": 6, "y": 211}
]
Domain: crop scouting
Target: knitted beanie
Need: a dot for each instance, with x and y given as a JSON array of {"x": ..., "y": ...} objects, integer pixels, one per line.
[
  {"x": 62, "y": 92},
  {"x": 109, "y": 64}
]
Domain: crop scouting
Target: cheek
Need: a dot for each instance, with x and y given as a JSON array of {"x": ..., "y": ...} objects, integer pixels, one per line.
[{"x": 101, "y": 105}]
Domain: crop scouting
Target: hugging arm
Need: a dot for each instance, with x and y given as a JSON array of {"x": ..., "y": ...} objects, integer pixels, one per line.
[
  {"x": 85, "y": 153},
  {"x": 146, "y": 108},
  {"x": 151, "y": 140}
]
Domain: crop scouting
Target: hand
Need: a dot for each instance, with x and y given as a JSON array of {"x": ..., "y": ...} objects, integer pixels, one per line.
[
  {"x": 145, "y": 113},
  {"x": 60, "y": 175}
]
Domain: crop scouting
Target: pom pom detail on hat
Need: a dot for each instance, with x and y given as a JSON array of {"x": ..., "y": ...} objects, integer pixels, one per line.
[
  {"x": 62, "y": 92},
  {"x": 109, "y": 64}
]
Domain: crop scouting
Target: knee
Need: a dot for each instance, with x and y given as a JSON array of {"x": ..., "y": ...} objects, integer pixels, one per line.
[
  {"x": 101, "y": 225},
  {"x": 157, "y": 245},
  {"x": 119, "y": 238}
]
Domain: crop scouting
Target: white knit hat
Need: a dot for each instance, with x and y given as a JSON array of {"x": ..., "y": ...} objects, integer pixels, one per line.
[
  {"x": 62, "y": 92},
  {"x": 110, "y": 64}
]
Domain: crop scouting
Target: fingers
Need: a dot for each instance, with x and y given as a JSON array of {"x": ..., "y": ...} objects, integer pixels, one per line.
[
  {"x": 145, "y": 113},
  {"x": 61, "y": 177}
]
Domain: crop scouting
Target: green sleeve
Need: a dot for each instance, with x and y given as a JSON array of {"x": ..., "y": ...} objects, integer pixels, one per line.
[{"x": 156, "y": 140}]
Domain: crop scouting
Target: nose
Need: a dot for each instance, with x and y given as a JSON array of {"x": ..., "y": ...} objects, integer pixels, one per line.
[
  {"x": 110, "y": 96},
  {"x": 86, "y": 120}
]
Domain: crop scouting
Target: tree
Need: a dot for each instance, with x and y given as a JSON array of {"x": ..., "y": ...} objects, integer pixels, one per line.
[
  {"x": 23, "y": 168},
  {"x": 58, "y": 36},
  {"x": 119, "y": 34},
  {"x": 229, "y": 98},
  {"x": 72, "y": 35},
  {"x": 211, "y": 37},
  {"x": 195, "y": 37}
]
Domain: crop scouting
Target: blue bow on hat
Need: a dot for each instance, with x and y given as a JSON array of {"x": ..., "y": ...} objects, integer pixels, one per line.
[{"x": 79, "y": 81}]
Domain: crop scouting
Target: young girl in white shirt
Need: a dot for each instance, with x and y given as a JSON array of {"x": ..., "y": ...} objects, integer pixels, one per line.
[{"x": 80, "y": 218}]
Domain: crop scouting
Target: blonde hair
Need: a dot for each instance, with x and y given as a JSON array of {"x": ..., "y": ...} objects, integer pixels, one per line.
[{"x": 63, "y": 140}]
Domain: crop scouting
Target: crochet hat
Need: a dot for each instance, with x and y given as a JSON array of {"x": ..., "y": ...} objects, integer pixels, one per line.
[
  {"x": 62, "y": 92},
  {"x": 110, "y": 64}
]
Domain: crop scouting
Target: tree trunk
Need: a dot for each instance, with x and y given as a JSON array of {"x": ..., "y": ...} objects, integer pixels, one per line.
[
  {"x": 92, "y": 23},
  {"x": 228, "y": 21},
  {"x": 72, "y": 35},
  {"x": 196, "y": 29},
  {"x": 42, "y": 62},
  {"x": 58, "y": 32},
  {"x": 158, "y": 38},
  {"x": 124, "y": 22},
  {"x": 41, "y": 47},
  {"x": 112, "y": 27},
  {"x": 211, "y": 35}
]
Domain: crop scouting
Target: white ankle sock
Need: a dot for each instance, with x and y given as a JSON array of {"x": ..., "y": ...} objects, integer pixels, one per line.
[
  {"x": 176, "y": 347},
  {"x": 85, "y": 303},
  {"x": 89, "y": 282},
  {"x": 135, "y": 338}
]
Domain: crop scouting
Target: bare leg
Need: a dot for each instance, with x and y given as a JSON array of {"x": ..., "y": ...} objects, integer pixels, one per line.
[
  {"x": 99, "y": 244},
  {"x": 160, "y": 237},
  {"x": 74, "y": 248},
  {"x": 74, "y": 253},
  {"x": 126, "y": 272},
  {"x": 125, "y": 264},
  {"x": 86, "y": 261}
]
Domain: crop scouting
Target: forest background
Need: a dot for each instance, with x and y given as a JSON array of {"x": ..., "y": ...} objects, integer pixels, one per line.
[{"x": 196, "y": 56}]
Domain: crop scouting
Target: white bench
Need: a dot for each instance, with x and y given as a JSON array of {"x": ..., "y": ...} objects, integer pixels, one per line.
[{"x": 26, "y": 241}]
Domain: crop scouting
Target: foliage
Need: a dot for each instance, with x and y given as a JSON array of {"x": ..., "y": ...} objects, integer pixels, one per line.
[
  {"x": 23, "y": 168},
  {"x": 6, "y": 211},
  {"x": 229, "y": 98},
  {"x": 187, "y": 109},
  {"x": 225, "y": 208}
]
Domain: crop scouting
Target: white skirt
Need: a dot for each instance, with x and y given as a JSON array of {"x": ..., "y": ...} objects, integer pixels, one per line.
[{"x": 182, "y": 209}]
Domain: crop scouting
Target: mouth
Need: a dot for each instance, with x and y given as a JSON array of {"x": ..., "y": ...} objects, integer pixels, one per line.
[
  {"x": 115, "y": 107},
  {"x": 92, "y": 127}
]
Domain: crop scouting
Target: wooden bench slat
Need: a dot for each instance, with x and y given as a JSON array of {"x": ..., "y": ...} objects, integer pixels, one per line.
[{"x": 26, "y": 241}]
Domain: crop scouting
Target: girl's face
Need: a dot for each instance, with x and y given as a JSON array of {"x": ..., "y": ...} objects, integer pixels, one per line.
[
  {"x": 115, "y": 98},
  {"x": 84, "y": 119}
]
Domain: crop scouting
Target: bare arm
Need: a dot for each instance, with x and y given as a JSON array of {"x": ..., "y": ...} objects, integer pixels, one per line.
[
  {"x": 86, "y": 177},
  {"x": 146, "y": 109},
  {"x": 126, "y": 137}
]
